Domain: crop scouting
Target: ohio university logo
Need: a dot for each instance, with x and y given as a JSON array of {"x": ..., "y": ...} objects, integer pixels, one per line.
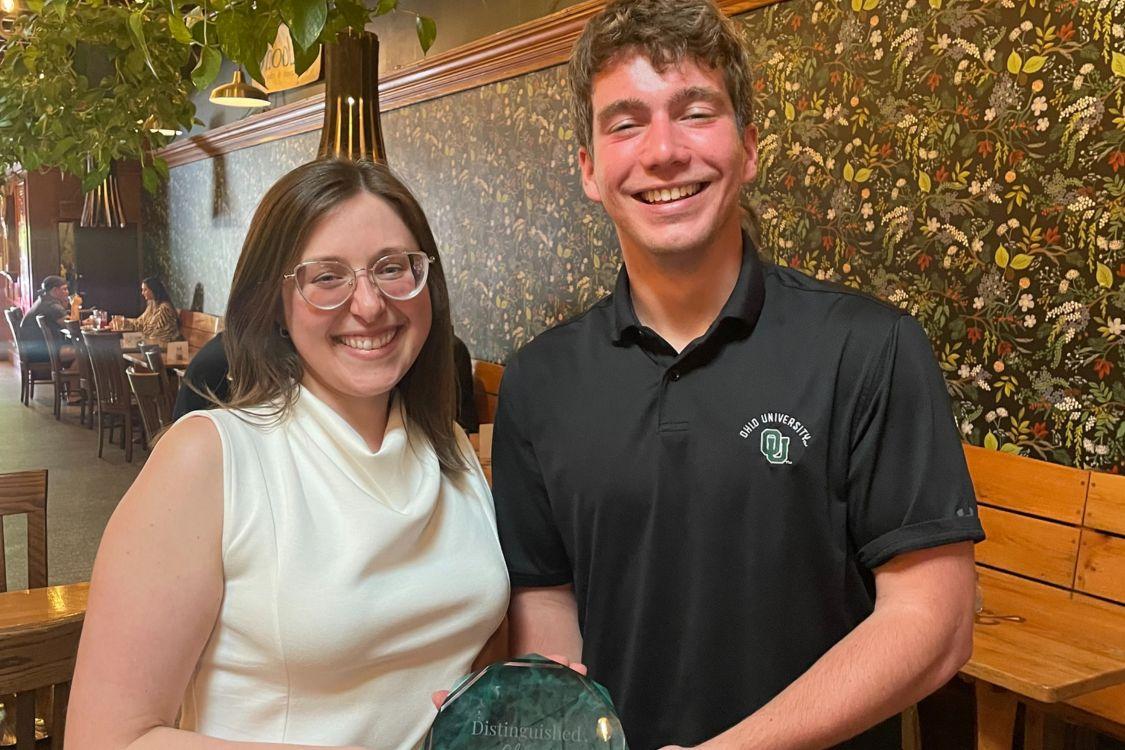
[{"x": 781, "y": 438}]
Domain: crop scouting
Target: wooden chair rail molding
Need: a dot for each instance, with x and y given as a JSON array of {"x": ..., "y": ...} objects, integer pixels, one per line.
[{"x": 535, "y": 45}]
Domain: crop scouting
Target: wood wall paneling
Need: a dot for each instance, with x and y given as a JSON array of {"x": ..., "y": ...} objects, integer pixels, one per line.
[{"x": 522, "y": 49}]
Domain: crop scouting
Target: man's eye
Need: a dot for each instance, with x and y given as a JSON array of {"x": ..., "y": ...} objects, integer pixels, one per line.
[{"x": 622, "y": 126}]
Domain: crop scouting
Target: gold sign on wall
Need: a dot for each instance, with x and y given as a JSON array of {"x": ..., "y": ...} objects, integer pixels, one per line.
[{"x": 277, "y": 65}]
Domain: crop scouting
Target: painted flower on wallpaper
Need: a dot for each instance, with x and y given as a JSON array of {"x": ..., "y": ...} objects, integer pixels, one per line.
[{"x": 965, "y": 161}]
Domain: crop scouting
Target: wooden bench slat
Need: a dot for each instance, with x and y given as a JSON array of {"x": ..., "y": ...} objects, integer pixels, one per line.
[
  {"x": 1028, "y": 485},
  {"x": 1101, "y": 565},
  {"x": 1031, "y": 547},
  {"x": 1105, "y": 508}
]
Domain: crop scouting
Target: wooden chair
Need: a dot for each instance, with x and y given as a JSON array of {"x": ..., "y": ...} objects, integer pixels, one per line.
[
  {"x": 154, "y": 356},
  {"x": 34, "y": 659},
  {"x": 115, "y": 400},
  {"x": 85, "y": 369},
  {"x": 152, "y": 402},
  {"x": 31, "y": 373},
  {"x": 64, "y": 376},
  {"x": 25, "y": 492},
  {"x": 486, "y": 388}
]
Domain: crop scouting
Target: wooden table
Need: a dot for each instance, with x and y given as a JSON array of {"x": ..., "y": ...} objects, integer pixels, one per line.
[
  {"x": 20, "y": 609},
  {"x": 177, "y": 364},
  {"x": 1066, "y": 646}
]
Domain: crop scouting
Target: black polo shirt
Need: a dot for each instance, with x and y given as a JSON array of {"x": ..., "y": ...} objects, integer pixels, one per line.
[{"x": 720, "y": 511}]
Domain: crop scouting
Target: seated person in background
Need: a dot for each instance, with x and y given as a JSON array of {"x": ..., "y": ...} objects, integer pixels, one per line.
[
  {"x": 466, "y": 402},
  {"x": 307, "y": 563},
  {"x": 207, "y": 374},
  {"x": 160, "y": 323},
  {"x": 52, "y": 304}
]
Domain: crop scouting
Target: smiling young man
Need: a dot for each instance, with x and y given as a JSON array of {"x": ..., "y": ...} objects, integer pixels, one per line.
[{"x": 735, "y": 493}]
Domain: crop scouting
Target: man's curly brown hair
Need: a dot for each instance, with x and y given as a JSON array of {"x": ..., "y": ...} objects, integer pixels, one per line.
[{"x": 666, "y": 32}]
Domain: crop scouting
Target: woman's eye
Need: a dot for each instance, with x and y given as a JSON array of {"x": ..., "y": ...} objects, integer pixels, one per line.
[{"x": 326, "y": 278}]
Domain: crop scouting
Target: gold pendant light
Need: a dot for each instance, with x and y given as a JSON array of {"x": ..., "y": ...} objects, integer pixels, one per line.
[
  {"x": 351, "y": 99},
  {"x": 101, "y": 207},
  {"x": 238, "y": 93}
]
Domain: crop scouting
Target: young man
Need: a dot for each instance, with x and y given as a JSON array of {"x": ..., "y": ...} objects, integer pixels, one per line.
[
  {"x": 735, "y": 493},
  {"x": 53, "y": 292}
]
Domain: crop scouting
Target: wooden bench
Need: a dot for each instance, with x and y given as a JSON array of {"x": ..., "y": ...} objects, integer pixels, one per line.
[
  {"x": 1059, "y": 528},
  {"x": 198, "y": 328}
]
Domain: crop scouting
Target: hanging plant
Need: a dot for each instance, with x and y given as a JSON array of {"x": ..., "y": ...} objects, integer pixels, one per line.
[{"x": 93, "y": 78}]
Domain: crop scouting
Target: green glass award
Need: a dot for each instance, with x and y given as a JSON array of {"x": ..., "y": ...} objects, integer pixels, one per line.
[{"x": 527, "y": 703}]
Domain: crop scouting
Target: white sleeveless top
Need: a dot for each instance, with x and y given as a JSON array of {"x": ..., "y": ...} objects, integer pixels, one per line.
[{"x": 356, "y": 583}]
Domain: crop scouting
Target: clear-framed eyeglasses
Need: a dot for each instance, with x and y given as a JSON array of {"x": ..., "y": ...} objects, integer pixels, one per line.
[{"x": 328, "y": 284}]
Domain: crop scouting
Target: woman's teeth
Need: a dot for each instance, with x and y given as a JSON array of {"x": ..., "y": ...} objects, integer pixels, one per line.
[
  {"x": 666, "y": 195},
  {"x": 367, "y": 343}
]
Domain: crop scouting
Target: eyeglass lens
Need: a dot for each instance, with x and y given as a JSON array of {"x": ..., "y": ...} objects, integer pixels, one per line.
[{"x": 328, "y": 283}]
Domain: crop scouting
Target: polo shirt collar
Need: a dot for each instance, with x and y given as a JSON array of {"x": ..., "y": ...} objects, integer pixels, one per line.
[{"x": 743, "y": 306}]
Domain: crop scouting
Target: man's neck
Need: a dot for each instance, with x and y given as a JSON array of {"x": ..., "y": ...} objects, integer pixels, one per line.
[{"x": 679, "y": 298}]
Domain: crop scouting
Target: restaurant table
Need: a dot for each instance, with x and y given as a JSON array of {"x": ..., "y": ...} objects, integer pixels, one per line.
[
  {"x": 1065, "y": 645},
  {"x": 178, "y": 364}
]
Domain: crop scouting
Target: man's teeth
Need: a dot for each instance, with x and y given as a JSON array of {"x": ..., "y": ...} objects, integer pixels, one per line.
[
  {"x": 367, "y": 343},
  {"x": 671, "y": 194}
]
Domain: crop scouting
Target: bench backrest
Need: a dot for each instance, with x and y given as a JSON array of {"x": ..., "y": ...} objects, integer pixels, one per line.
[
  {"x": 198, "y": 328},
  {"x": 1055, "y": 524},
  {"x": 486, "y": 389}
]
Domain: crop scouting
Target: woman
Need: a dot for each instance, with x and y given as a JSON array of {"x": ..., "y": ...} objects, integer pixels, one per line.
[
  {"x": 344, "y": 562},
  {"x": 159, "y": 322}
]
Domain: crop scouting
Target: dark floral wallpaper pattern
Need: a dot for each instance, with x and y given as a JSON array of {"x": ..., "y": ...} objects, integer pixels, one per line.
[{"x": 963, "y": 159}]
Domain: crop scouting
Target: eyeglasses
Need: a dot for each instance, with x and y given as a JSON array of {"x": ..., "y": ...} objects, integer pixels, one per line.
[{"x": 328, "y": 284}]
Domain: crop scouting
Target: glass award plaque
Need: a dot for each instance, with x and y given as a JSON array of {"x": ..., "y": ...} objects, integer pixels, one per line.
[{"x": 527, "y": 703}]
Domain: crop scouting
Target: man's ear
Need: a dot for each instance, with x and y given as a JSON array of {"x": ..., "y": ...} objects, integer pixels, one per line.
[
  {"x": 586, "y": 164},
  {"x": 750, "y": 144}
]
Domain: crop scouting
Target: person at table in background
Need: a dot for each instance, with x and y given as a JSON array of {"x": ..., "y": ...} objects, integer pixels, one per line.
[
  {"x": 309, "y": 562},
  {"x": 53, "y": 292},
  {"x": 207, "y": 374},
  {"x": 160, "y": 323},
  {"x": 737, "y": 494}
]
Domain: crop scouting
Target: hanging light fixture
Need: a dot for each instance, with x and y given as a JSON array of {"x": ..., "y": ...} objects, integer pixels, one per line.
[
  {"x": 153, "y": 125},
  {"x": 351, "y": 99},
  {"x": 101, "y": 207},
  {"x": 238, "y": 93}
]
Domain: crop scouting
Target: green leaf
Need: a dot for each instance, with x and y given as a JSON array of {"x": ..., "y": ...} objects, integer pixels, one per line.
[
  {"x": 1118, "y": 64},
  {"x": 137, "y": 31},
  {"x": 92, "y": 179},
  {"x": 161, "y": 167},
  {"x": 427, "y": 32},
  {"x": 790, "y": 111},
  {"x": 150, "y": 179},
  {"x": 1020, "y": 262},
  {"x": 1014, "y": 63},
  {"x": 304, "y": 58},
  {"x": 849, "y": 172},
  {"x": 863, "y": 174},
  {"x": 305, "y": 19},
  {"x": 924, "y": 182},
  {"x": 935, "y": 4},
  {"x": 385, "y": 6},
  {"x": 991, "y": 442},
  {"x": 207, "y": 68},
  {"x": 1009, "y": 448},
  {"x": 1002, "y": 256},
  {"x": 857, "y": 5},
  {"x": 1034, "y": 64},
  {"x": 180, "y": 32},
  {"x": 1104, "y": 275},
  {"x": 870, "y": 4}
]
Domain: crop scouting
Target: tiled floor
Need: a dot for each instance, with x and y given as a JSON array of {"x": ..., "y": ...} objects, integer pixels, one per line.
[{"x": 82, "y": 490}]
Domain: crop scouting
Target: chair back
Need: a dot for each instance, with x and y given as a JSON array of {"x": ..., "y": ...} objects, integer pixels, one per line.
[
  {"x": 486, "y": 388},
  {"x": 25, "y": 492},
  {"x": 109, "y": 370},
  {"x": 38, "y": 657},
  {"x": 14, "y": 316},
  {"x": 85, "y": 369},
  {"x": 153, "y": 406},
  {"x": 51, "y": 336}
]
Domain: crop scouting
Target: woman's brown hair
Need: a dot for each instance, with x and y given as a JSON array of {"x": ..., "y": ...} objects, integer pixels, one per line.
[{"x": 264, "y": 367}]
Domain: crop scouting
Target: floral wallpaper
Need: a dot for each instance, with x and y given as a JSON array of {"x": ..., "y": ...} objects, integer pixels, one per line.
[{"x": 963, "y": 159}]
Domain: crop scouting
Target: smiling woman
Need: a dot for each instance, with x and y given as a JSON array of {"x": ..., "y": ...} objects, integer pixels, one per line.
[{"x": 344, "y": 563}]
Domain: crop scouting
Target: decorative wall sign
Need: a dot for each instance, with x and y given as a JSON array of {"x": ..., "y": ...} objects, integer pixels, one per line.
[{"x": 278, "y": 68}]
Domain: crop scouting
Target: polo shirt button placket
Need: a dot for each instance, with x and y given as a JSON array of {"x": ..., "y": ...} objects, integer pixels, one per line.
[{"x": 673, "y": 375}]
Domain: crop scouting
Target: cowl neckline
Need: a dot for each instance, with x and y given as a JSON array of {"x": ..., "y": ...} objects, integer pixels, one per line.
[{"x": 404, "y": 472}]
